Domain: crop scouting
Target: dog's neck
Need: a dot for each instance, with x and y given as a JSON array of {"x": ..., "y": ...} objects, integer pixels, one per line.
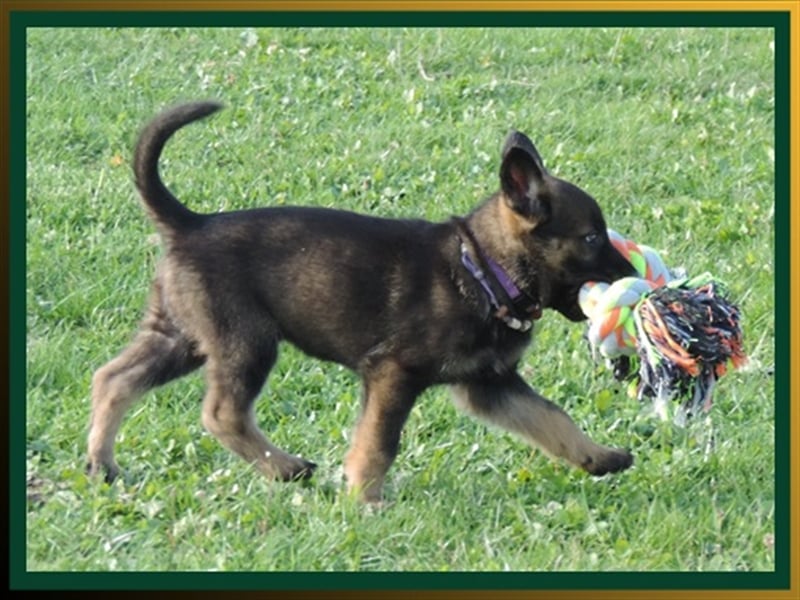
[{"x": 516, "y": 308}]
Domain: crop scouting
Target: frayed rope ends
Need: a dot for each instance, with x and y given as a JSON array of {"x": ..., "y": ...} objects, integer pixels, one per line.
[{"x": 685, "y": 332}]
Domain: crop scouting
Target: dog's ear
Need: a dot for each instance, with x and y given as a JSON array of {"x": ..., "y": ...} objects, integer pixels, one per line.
[{"x": 522, "y": 178}]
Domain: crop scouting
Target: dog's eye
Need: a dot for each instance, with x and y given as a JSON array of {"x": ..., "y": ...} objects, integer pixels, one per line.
[{"x": 592, "y": 239}]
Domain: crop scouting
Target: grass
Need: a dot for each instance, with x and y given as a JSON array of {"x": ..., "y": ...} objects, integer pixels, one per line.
[{"x": 671, "y": 130}]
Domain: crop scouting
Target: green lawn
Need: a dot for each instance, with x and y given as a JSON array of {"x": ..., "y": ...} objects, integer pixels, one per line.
[{"x": 670, "y": 129}]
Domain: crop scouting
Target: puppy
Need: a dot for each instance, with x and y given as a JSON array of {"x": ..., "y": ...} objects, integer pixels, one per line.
[{"x": 406, "y": 304}]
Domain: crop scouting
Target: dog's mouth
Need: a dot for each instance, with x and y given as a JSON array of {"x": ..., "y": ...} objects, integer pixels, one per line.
[
  {"x": 565, "y": 301},
  {"x": 570, "y": 307},
  {"x": 616, "y": 267},
  {"x": 573, "y": 309}
]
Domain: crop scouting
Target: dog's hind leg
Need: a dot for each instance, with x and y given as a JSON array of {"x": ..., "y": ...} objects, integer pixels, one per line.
[
  {"x": 389, "y": 394},
  {"x": 235, "y": 374},
  {"x": 158, "y": 354},
  {"x": 510, "y": 403}
]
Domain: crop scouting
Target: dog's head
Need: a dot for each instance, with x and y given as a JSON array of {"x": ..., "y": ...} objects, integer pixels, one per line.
[{"x": 556, "y": 229}]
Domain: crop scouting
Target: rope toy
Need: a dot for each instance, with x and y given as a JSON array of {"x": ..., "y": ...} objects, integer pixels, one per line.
[{"x": 684, "y": 331}]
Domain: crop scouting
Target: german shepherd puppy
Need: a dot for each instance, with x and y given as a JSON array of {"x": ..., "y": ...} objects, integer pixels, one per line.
[{"x": 406, "y": 304}]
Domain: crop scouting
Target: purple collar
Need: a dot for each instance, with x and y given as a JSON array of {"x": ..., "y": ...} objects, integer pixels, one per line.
[
  {"x": 503, "y": 278},
  {"x": 502, "y": 311}
]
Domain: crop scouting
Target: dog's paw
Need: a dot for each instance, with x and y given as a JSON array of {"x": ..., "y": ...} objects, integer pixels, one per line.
[
  {"x": 96, "y": 469},
  {"x": 300, "y": 469},
  {"x": 612, "y": 460}
]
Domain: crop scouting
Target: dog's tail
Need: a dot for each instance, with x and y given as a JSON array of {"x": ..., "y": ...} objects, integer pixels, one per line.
[{"x": 164, "y": 208}]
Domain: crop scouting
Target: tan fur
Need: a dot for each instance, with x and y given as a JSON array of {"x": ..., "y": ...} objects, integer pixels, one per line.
[
  {"x": 514, "y": 225},
  {"x": 388, "y": 398},
  {"x": 517, "y": 408}
]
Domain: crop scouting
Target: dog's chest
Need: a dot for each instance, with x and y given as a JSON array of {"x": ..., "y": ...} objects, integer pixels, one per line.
[{"x": 494, "y": 351}]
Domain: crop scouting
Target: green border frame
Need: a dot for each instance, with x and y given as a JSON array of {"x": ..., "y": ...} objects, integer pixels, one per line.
[{"x": 19, "y": 578}]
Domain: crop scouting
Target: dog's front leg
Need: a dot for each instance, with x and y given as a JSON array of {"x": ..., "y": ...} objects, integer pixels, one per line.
[
  {"x": 510, "y": 403},
  {"x": 389, "y": 394}
]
